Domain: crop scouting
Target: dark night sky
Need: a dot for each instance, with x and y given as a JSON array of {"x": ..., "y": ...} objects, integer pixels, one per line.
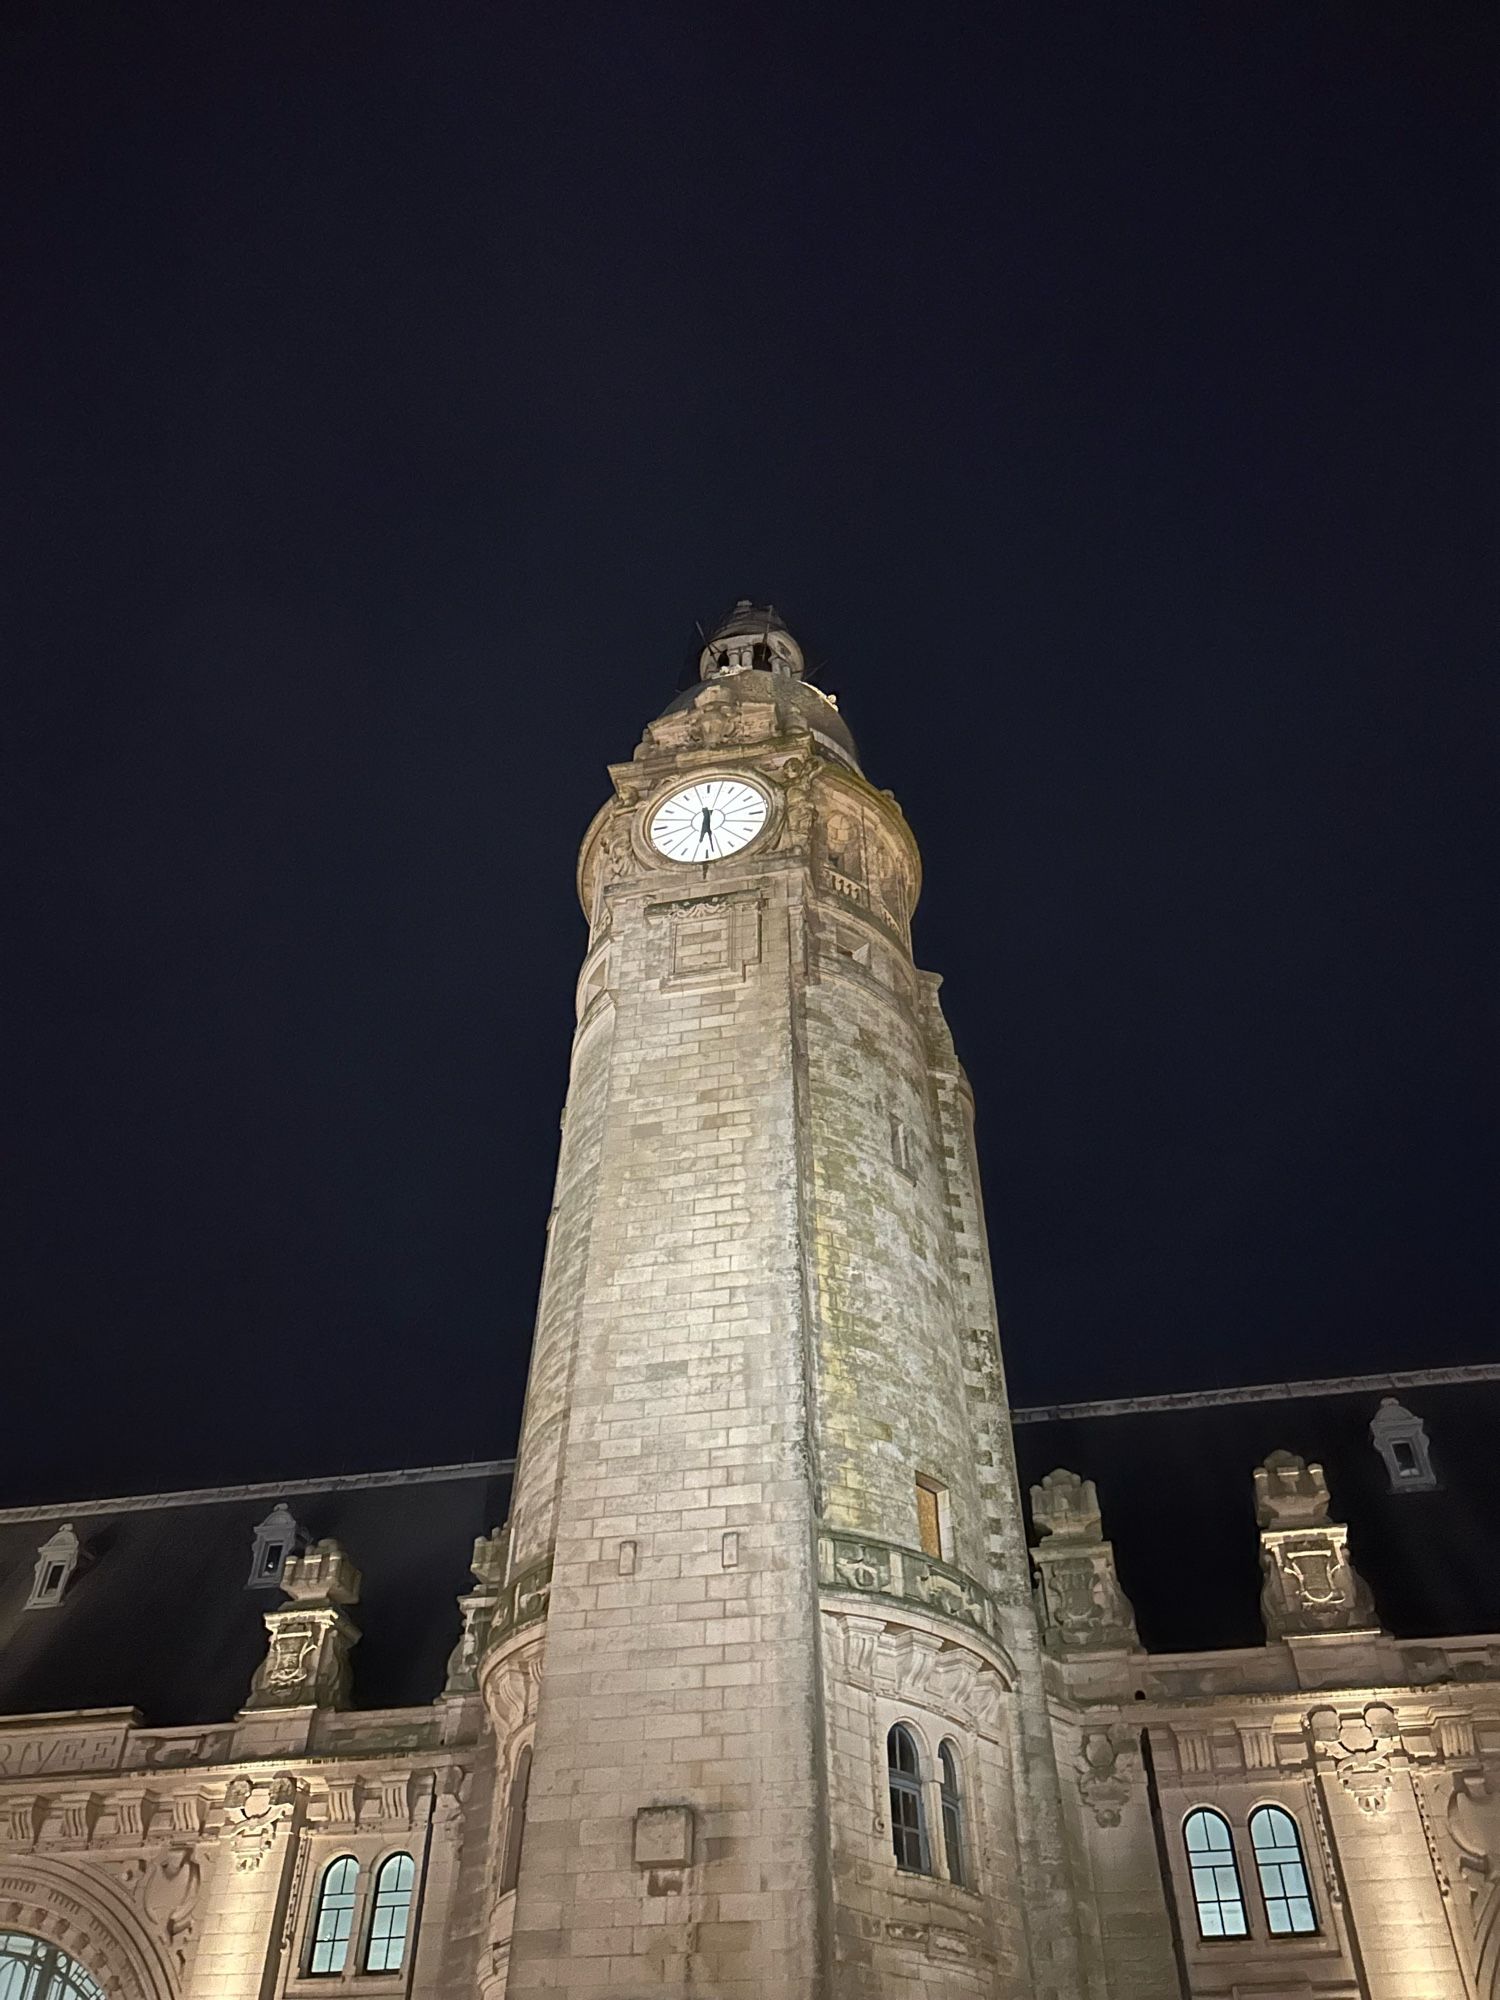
[{"x": 1105, "y": 393}]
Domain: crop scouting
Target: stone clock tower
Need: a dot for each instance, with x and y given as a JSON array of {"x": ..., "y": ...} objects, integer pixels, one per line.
[{"x": 763, "y": 1672}]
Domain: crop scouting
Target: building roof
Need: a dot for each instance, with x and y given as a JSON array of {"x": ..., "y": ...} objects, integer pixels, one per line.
[
  {"x": 159, "y": 1616},
  {"x": 1174, "y": 1480}
]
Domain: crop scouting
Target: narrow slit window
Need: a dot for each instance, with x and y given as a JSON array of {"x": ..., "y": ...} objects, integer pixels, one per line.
[
  {"x": 950, "y": 1798},
  {"x": 390, "y": 1920},
  {"x": 1283, "y": 1873},
  {"x": 933, "y": 1537},
  {"x": 908, "y": 1820},
  {"x": 515, "y": 1822},
  {"x": 333, "y": 1917},
  {"x": 1217, "y": 1893}
]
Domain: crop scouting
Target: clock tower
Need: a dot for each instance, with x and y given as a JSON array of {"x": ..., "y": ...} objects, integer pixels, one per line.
[{"x": 763, "y": 1671}]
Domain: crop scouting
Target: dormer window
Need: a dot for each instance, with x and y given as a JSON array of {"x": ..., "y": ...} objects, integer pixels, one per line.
[
  {"x": 1400, "y": 1436},
  {"x": 278, "y": 1536},
  {"x": 56, "y": 1561}
]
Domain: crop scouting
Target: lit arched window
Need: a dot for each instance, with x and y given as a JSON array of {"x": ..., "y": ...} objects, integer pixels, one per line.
[
  {"x": 950, "y": 1797},
  {"x": 1216, "y": 1876},
  {"x": 1283, "y": 1875},
  {"x": 908, "y": 1821},
  {"x": 391, "y": 1916},
  {"x": 333, "y": 1916},
  {"x": 515, "y": 1822},
  {"x": 32, "y": 1970}
]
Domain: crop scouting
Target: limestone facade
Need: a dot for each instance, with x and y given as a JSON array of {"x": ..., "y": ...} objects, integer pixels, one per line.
[{"x": 759, "y": 1693}]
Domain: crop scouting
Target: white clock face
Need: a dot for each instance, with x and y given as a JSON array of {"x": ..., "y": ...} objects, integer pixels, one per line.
[{"x": 706, "y": 821}]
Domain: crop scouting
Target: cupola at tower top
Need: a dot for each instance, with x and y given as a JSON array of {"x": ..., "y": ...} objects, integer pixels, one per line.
[{"x": 750, "y": 637}]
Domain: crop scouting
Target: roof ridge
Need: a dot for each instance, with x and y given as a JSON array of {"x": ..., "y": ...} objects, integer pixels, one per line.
[
  {"x": 1260, "y": 1392},
  {"x": 265, "y": 1489}
]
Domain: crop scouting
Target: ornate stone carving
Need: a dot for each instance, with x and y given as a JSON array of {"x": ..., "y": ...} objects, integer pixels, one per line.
[
  {"x": 1473, "y": 1820},
  {"x": 1310, "y": 1585},
  {"x": 860, "y": 1564},
  {"x": 1065, "y": 1508},
  {"x": 939, "y": 1674},
  {"x": 169, "y": 1894},
  {"x": 308, "y": 1660},
  {"x": 1360, "y": 1747},
  {"x": 1083, "y": 1608},
  {"x": 509, "y": 1686},
  {"x": 254, "y": 1815},
  {"x": 487, "y": 1566},
  {"x": 93, "y": 1919},
  {"x": 1104, "y": 1767}
]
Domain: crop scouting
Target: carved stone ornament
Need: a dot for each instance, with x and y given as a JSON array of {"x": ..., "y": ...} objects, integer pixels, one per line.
[
  {"x": 949, "y": 1678},
  {"x": 308, "y": 1660},
  {"x": 1309, "y": 1583},
  {"x": 1473, "y": 1824},
  {"x": 882, "y": 1569},
  {"x": 509, "y": 1683},
  {"x": 1081, "y": 1604},
  {"x": 491, "y": 1554},
  {"x": 169, "y": 1894},
  {"x": 1065, "y": 1508},
  {"x": 254, "y": 1815},
  {"x": 1360, "y": 1746},
  {"x": 1290, "y": 1493},
  {"x": 92, "y": 1918},
  {"x": 1104, "y": 1767}
]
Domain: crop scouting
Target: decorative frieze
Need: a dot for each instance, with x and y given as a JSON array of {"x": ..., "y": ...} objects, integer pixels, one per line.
[
  {"x": 523, "y": 1601},
  {"x": 871, "y": 1568}
]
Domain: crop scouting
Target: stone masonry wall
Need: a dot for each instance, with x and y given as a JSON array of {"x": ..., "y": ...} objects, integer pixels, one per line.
[{"x": 681, "y": 1636}]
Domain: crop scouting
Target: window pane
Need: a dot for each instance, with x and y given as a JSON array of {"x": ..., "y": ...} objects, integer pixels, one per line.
[
  {"x": 392, "y": 1915},
  {"x": 1283, "y": 1874},
  {"x": 1215, "y": 1876},
  {"x": 335, "y": 1917},
  {"x": 908, "y": 1828}
]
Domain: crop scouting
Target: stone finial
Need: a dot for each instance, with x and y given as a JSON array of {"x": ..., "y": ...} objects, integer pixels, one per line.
[
  {"x": 307, "y": 1664},
  {"x": 322, "y": 1574},
  {"x": 1309, "y": 1586},
  {"x": 1065, "y": 1507},
  {"x": 488, "y": 1566},
  {"x": 1083, "y": 1609},
  {"x": 1290, "y": 1493}
]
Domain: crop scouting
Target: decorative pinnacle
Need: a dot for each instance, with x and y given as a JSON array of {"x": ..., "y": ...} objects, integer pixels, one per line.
[{"x": 751, "y": 636}]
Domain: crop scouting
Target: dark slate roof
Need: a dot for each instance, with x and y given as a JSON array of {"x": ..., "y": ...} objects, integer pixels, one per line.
[
  {"x": 159, "y": 1618},
  {"x": 1174, "y": 1482}
]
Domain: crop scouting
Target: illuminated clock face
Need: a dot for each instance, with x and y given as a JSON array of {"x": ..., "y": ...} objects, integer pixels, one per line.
[{"x": 709, "y": 819}]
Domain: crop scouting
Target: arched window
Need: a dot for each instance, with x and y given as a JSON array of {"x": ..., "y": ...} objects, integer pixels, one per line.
[
  {"x": 333, "y": 1916},
  {"x": 32, "y": 1970},
  {"x": 1216, "y": 1875},
  {"x": 1283, "y": 1875},
  {"x": 391, "y": 1917},
  {"x": 515, "y": 1822},
  {"x": 950, "y": 1798},
  {"x": 908, "y": 1821}
]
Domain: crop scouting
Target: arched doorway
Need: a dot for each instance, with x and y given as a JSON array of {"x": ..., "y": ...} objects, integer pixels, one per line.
[{"x": 32, "y": 1969}]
